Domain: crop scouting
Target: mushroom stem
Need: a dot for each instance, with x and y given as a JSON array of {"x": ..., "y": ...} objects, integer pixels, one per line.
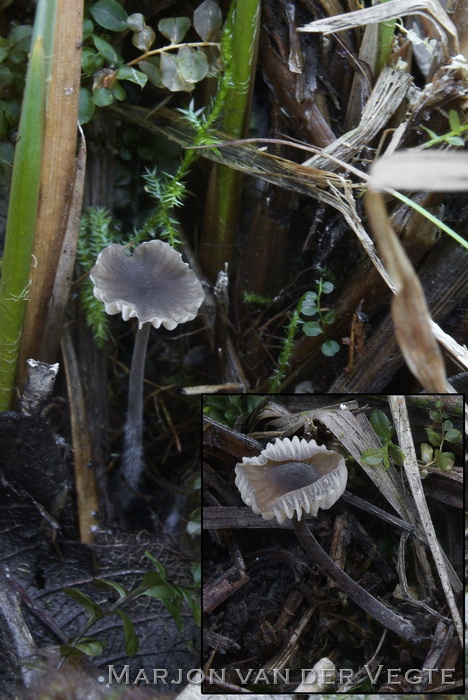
[
  {"x": 361, "y": 597},
  {"x": 132, "y": 461}
]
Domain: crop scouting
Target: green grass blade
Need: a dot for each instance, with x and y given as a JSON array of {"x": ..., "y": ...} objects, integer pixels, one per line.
[
  {"x": 22, "y": 208},
  {"x": 235, "y": 123},
  {"x": 386, "y": 35},
  {"x": 44, "y": 27},
  {"x": 24, "y": 197},
  {"x": 433, "y": 219}
]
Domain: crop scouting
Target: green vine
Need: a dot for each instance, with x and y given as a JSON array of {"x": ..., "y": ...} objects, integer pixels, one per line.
[
  {"x": 432, "y": 454},
  {"x": 311, "y": 305},
  {"x": 170, "y": 191}
]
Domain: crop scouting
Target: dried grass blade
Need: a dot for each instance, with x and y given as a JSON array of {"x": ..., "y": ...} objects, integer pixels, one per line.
[
  {"x": 356, "y": 437},
  {"x": 435, "y": 171},
  {"x": 458, "y": 352},
  {"x": 401, "y": 420},
  {"x": 415, "y": 338},
  {"x": 326, "y": 186},
  {"x": 391, "y": 10},
  {"x": 411, "y": 317},
  {"x": 389, "y": 91}
]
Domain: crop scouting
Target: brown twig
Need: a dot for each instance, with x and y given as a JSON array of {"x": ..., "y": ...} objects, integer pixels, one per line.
[{"x": 359, "y": 595}]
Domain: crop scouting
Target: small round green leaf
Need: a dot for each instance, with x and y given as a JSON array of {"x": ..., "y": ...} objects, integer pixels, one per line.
[
  {"x": 453, "y": 435},
  {"x": 102, "y": 97},
  {"x": 171, "y": 77},
  {"x": 109, "y": 14},
  {"x": 330, "y": 316},
  {"x": 88, "y": 29},
  {"x": 136, "y": 22},
  {"x": 4, "y": 48},
  {"x": 433, "y": 436},
  {"x": 174, "y": 28},
  {"x": 381, "y": 425},
  {"x": 118, "y": 91},
  {"x": 444, "y": 460},
  {"x": 207, "y": 20},
  {"x": 192, "y": 64},
  {"x": 312, "y": 328},
  {"x": 86, "y": 106},
  {"x": 427, "y": 453},
  {"x": 327, "y": 287},
  {"x": 132, "y": 75},
  {"x": 372, "y": 456},
  {"x": 144, "y": 39},
  {"x": 107, "y": 51},
  {"x": 310, "y": 298},
  {"x": 20, "y": 42},
  {"x": 308, "y": 309},
  {"x": 330, "y": 348},
  {"x": 397, "y": 454},
  {"x": 91, "y": 61},
  {"x": 151, "y": 68}
]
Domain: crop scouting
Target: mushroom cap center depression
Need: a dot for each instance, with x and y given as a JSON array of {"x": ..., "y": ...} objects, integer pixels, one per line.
[
  {"x": 274, "y": 480},
  {"x": 150, "y": 291}
]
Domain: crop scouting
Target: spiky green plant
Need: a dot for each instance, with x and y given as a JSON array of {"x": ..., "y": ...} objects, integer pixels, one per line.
[{"x": 96, "y": 233}]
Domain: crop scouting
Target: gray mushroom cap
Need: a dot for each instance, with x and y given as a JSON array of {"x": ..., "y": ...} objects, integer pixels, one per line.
[
  {"x": 291, "y": 476},
  {"x": 153, "y": 284}
]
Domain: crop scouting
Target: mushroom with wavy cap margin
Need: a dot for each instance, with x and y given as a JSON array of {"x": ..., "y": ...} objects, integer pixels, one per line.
[
  {"x": 155, "y": 286},
  {"x": 292, "y": 476}
]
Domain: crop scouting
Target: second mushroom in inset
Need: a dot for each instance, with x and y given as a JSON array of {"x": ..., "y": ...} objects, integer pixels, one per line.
[{"x": 293, "y": 477}]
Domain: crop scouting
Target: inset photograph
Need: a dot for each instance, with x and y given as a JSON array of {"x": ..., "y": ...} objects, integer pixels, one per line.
[{"x": 333, "y": 544}]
